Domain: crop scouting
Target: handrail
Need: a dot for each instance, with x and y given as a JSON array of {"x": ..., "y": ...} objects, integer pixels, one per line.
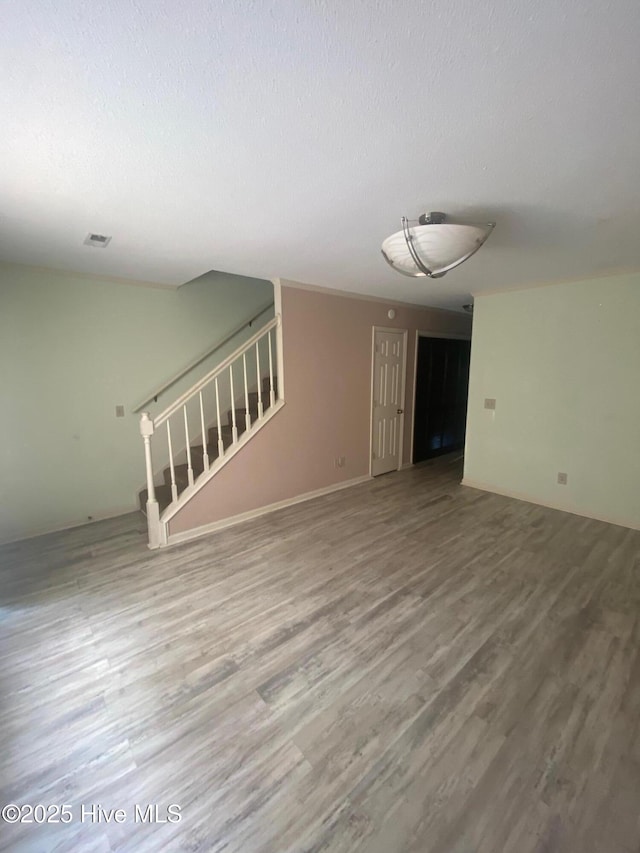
[
  {"x": 162, "y": 417},
  {"x": 153, "y": 397}
]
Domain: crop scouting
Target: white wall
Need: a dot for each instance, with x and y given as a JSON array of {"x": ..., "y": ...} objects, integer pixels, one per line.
[
  {"x": 563, "y": 363},
  {"x": 73, "y": 347}
]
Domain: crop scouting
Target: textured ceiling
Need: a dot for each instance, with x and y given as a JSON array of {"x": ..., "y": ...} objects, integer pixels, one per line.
[{"x": 287, "y": 138}]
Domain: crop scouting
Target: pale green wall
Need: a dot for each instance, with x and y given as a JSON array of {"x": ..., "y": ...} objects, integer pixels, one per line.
[
  {"x": 73, "y": 347},
  {"x": 563, "y": 363}
]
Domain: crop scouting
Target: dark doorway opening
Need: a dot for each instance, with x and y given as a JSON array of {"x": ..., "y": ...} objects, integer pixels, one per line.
[{"x": 442, "y": 385}]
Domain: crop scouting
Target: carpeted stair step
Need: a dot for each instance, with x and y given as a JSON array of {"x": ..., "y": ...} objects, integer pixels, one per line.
[
  {"x": 181, "y": 471},
  {"x": 240, "y": 419},
  {"x": 163, "y": 496},
  {"x": 225, "y": 433},
  {"x": 266, "y": 387},
  {"x": 196, "y": 453},
  {"x": 253, "y": 400}
]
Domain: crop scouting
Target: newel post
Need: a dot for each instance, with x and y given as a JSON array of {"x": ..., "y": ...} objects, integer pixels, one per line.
[{"x": 153, "y": 509}]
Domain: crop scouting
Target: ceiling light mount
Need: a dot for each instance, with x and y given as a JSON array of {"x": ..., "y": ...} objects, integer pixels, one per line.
[
  {"x": 433, "y": 218},
  {"x": 433, "y": 246}
]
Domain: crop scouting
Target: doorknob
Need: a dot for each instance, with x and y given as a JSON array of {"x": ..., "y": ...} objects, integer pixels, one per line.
[{"x": 401, "y": 411}]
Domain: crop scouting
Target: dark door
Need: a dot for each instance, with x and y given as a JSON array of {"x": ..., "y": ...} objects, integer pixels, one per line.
[{"x": 442, "y": 384}]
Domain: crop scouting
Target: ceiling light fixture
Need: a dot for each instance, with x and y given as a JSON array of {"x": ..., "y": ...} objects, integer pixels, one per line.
[{"x": 433, "y": 246}]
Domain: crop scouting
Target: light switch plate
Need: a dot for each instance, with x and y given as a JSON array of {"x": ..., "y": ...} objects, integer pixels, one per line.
[
  {"x": 489, "y": 402},
  {"x": 562, "y": 478},
  {"x": 119, "y": 411}
]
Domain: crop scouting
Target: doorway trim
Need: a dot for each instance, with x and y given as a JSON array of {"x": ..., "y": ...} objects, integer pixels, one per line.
[
  {"x": 447, "y": 336},
  {"x": 405, "y": 334}
]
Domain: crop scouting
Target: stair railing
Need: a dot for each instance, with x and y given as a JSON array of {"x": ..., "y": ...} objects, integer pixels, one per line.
[
  {"x": 153, "y": 398},
  {"x": 254, "y": 360}
]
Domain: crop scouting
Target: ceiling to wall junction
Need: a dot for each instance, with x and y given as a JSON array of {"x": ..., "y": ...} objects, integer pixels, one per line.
[{"x": 287, "y": 139}]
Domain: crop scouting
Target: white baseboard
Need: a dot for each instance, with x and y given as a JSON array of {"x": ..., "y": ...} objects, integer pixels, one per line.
[
  {"x": 522, "y": 496},
  {"x": 196, "y": 532},
  {"x": 69, "y": 525}
]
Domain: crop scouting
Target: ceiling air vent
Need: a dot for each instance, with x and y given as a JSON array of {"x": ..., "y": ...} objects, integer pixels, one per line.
[{"x": 99, "y": 241}]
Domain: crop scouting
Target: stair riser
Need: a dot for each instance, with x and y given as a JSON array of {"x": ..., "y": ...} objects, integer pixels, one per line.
[
  {"x": 265, "y": 396},
  {"x": 240, "y": 418},
  {"x": 181, "y": 472},
  {"x": 225, "y": 432},
  {"x": 212, "y": 451}
]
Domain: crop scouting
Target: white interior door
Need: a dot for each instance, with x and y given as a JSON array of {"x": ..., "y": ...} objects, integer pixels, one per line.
[{"x": 387, "y": 421}]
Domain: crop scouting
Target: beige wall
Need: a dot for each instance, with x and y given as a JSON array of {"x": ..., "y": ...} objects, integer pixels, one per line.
[
  {"x": 72, "y": 348},
  {"x": 327, "y": 363},
  {"x": 563, "y": 363}
]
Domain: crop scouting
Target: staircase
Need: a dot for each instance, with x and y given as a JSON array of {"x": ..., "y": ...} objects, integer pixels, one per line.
[
  {"x": 163, "y": 490},
  {"x": 192, "y": 434}
]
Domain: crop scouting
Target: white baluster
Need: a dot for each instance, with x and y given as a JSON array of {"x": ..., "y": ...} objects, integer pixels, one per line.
[
  {"x": 188, "y": 442},
  {"x": 272, "y": 393},
  {"x": 259, "y": 375},
  {"x": 247, "y": 414},
  {"x": 153, "y": 508},
  {"x": 234, "y": 428},
  {"x": 220, "y": 441},
  {"x": 205, "y": 455},
  {"x": 174, "y": 488}
]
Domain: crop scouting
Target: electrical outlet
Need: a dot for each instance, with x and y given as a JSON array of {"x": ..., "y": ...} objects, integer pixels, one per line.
[
  {"x": 489, "y": 403},
  {"x": 119, "y": 411},
  {"x": 562, "y": 478},
  {"x": 340, "y": 461}
]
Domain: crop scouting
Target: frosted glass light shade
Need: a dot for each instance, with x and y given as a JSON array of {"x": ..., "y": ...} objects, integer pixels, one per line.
[{"x": 439, "y": 246}]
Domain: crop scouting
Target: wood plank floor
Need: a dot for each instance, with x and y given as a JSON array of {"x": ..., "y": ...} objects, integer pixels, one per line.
[{"x": 408, "y": 665}]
